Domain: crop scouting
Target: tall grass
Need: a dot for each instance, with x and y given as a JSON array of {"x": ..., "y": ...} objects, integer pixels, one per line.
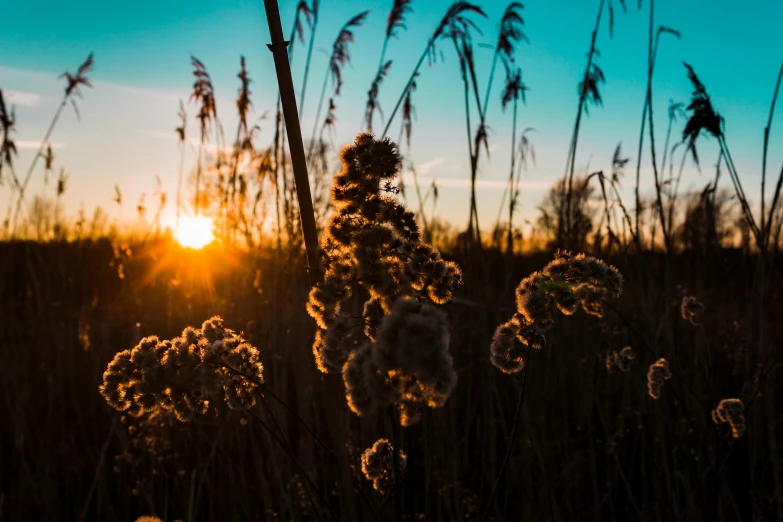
[{"x": 662, "y": 405}]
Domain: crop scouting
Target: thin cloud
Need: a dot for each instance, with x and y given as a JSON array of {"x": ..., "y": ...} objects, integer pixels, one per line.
[
  {"x": 426, "y": 167},
  {"x": 481, "y": 184},
  {"x": 193, "y": 143},
  {"x": 29, "y": 144},
  {"x": 34, "y": 74},
  {"x": 22, "y": 99}
]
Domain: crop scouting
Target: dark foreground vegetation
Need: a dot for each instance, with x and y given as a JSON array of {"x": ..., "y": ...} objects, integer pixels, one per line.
[
  {"x": 591, "y": 444},
  {"x": 500, "y": 378}
]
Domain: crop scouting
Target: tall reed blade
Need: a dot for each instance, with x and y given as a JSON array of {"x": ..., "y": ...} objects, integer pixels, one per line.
[{"x": 288, "y": 100}]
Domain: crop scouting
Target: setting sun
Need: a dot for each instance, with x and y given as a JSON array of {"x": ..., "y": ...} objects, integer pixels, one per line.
[{"x": 195, "y": 232}]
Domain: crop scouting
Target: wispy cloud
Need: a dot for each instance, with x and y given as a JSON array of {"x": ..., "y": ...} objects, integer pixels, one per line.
[
  {"x": 23, "y": 99},
  {"x": 193, "y": 143},
  {"x": 53, "y": 78},
  {"x": 481, "y": 184},
  {"x": 29, "y": 144},
  {"x": 426, "y": 167}
]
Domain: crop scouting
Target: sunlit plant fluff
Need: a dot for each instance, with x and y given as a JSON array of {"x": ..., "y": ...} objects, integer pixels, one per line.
[
  {"x": 731, "y": 411},
  {"x": 621, "y": 360},
  {"x": 395, "y": 350},
  {"x": 691, "y": 309},
  {"x": 377, "y": 465},
  {"x": 658, "y": 374},
  {"x": 566, "y": 283},
  {"x": 186, "y": 374}
]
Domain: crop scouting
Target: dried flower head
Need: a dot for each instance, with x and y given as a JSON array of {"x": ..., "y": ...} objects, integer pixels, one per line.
[
  {"x": 511, "y": 30},
  {"x": 703, "y": 116},
  {"x": 691, "y": 309},
  {"x": 187, "y": 374},
  {"x": 566, "y": 283},
  {"x": 731, "y": 411},
  {"x": 340, "y": 49},
  {"x": 7, "y": 145},
  {"x": 80, "y": 78},
  {"x": 203, "y": 93},
  {"x": 378, "y": 463},
  {"x": 621, "y": 360},
  {"x": 395, "y": 349},
  {"x": 659, "y": 373}
]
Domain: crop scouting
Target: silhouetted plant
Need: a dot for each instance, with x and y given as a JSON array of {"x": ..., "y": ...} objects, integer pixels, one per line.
[
  {"x": 515, "y": 90},
  {"x": 73, "y": 82},
  {"x": 204, "y": 94},
  {"x": 8, "y": 146},
  {"x": 186, "y": 375},
  {"x": 394, "y": 22},
  {"x": 394, "y": 352},
  {"x": 455, "y": 21},
  {"x": 339, "y": 57},
  {"x": 703, "y": 117},
  {"x": 567, "y": 283}
]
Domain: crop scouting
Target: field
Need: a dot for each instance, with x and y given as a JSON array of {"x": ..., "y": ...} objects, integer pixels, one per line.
[{"x": 617, "y": 362}]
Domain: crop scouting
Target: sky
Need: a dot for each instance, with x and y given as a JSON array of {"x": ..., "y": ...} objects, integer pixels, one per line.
[{"x": 125, "y": 134}]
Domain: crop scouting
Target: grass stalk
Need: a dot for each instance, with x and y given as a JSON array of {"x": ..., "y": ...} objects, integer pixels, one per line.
[{"x": 298, "y": 159}]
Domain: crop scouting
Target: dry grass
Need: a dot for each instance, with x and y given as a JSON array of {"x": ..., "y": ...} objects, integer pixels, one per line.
[{"x": 663, "y": 406}]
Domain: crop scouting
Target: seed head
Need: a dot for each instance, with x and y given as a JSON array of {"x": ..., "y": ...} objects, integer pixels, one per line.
[
  {"x": 187, "y": 374},
  {"x": 691, "y": 309},
  {"x": 506, "y": 350},
  {"x": 658, "y": 373},
  {"x": 378, "y": 463},
  {"x": 731, "y": 411},
  {"x": 621, "y": 360},
  {"x": 396, "y": 352},
  {"x": 567, "y": 282}
]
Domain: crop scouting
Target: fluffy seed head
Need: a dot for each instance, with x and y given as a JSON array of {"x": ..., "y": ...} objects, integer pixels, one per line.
[
  {"x": 731, "y": 411},
  {"x": 566, "y": 283},
  {"x": 691, "y": 309},
  {"x": 378, "y": 465},
  {"x": 396, "y": 351},
  {"x": 658, "y": 374},
  {"x": 187, "y": 374},
  {"x": 621, "y": 360}
]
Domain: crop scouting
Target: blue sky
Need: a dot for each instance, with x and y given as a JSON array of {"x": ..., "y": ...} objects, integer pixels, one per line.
[{"x": 142, "y": 69}]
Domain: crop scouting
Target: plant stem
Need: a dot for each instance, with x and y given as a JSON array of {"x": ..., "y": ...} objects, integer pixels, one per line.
[
  {"x": 473, "y": 218},
  {"x": 764, "y": 164},
  {"x": 396, "y": 475},
  {"x": 512, "y": 194},
  {"x": 288, "y": 99},
  {"x": 510, "y": 446},
  {"x": 316, "y": 9},
  {"x": 408, "y": 85},
  {"x": 38, "y": 154},
  {"x": 575, "y": 135},
  {"x": 318, "y": 115}
]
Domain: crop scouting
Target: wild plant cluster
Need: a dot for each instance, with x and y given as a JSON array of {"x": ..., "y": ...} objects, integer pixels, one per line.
[
  {"x": 598, "y": 449},
  {"x": 657, "y": 375},
  {"x": 186, "y": 375},
  {"x": 378, "y": 465},
  {"x": 565, "y": 284},
  {"x": 621, "y": 360},
  {"x": 395, "y": 349},
  {"x": 732, "y": 412}
]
